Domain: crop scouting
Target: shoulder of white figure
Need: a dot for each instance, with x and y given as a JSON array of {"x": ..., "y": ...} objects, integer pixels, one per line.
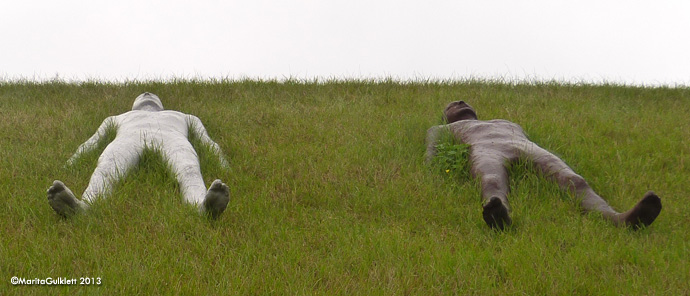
[
  {"x": 192, "y": 118},
  {"x": 111, "y": 121}
]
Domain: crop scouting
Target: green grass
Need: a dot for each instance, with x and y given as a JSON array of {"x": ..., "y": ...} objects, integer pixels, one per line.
[{"x": 330, "y": 194}]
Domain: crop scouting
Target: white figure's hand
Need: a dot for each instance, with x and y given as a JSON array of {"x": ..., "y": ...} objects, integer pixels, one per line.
[{"x": 92, "y": 142}]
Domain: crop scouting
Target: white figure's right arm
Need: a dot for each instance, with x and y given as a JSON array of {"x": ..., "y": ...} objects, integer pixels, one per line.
[{"x": 92, "y": 142}]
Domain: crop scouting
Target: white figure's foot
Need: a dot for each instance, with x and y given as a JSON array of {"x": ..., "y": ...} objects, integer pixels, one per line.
[
  {"x": 216, "y": 200},
  {"x": 63, "y": 201}
]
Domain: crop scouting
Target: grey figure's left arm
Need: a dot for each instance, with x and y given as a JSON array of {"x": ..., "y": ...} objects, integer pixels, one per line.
[
  {"x": 92, "y": 142},
  {"x": 200, "y": 131}
]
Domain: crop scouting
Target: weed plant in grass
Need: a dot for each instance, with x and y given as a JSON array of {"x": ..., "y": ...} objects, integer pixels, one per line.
[
  {"x": 452, "y": 157},
  {"x": 330, "y": 194}
]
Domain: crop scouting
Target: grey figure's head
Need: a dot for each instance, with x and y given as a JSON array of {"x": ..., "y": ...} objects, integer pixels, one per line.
[
  {"x": 147, "y": 102},
  {"x": 459, "y": 110}
]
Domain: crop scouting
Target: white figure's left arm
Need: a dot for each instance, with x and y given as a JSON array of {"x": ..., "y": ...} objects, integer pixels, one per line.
[{"x": 200, "y": 131}]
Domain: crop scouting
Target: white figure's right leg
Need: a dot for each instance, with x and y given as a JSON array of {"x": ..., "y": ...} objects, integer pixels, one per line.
[
  {"x": 63, "y": 201},
  {"x": 113, "y": 163}
]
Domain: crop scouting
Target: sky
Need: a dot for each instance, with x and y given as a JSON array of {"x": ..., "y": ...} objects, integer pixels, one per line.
[{"x": 627, "y": 42}]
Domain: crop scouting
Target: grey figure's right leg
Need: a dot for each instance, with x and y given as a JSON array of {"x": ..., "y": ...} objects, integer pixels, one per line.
[{"x": 493, "y": 176}]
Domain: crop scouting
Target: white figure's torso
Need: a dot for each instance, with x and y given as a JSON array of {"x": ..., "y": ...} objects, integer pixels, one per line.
[{"x": 153, "y": 128}]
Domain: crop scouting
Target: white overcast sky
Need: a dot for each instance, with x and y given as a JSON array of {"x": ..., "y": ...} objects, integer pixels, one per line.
[{"x": 632, "y": 42}]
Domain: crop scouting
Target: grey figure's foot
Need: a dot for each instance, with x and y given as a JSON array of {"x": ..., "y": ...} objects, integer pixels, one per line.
[
  {"x": 496, "y": 214},
  {"x": 63, "y": 201},
  {"x": 216, "y": 200},
  {"x": 643, "y": 213}
]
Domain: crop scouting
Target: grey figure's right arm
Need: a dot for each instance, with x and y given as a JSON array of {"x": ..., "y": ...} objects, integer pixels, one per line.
[
  {"x": 432, "y": 137},
  {"x": 92, "y": 142}
]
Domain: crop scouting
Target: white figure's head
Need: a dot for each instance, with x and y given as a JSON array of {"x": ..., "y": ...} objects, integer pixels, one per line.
[{"x": 147, "y": 102}]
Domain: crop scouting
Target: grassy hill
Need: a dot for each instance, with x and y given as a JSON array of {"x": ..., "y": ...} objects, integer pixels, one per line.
[{"x": 330, "y": 195}]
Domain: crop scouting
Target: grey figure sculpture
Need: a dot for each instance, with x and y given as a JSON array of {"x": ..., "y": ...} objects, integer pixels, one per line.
[{"x": 496, "y": 143}]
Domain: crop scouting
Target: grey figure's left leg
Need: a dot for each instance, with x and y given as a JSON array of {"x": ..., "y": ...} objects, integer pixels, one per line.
[{"x": 642, "y": 214}]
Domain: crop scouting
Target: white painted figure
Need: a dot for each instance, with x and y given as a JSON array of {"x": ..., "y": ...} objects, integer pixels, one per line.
[{"x": 148, "y": 125}]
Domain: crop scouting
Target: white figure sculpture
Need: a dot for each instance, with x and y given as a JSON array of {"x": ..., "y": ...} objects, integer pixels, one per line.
[{"x": 148, "y": 125}]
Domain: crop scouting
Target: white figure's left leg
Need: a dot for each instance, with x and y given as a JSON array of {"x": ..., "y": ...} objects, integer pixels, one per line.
[
  {"x": 185, "y": 165},
  {"x": 216, "y": 199}
]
